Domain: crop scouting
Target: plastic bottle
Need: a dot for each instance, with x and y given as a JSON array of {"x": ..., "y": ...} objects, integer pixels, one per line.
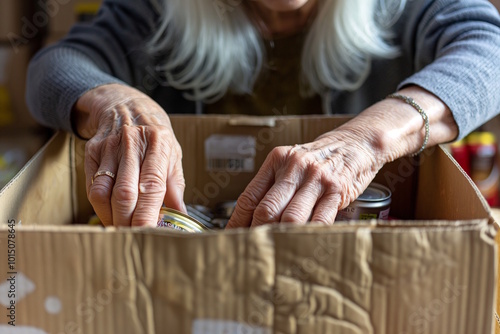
[
  {"x": 460, "y": 151},
  {"x": 483, "y": 165}
]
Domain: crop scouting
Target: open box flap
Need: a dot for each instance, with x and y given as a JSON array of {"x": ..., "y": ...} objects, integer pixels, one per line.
[
  {"x": 435, "y": 201},
  {"x": 41, "y": 193}
]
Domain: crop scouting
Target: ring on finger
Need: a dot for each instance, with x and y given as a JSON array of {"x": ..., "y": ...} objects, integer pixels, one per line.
[{"x": 103, "y": 172}]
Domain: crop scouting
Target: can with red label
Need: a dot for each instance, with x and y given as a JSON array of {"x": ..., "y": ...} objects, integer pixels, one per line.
[
  {"x": 460, "y": 151},
  {"x": 484, "y": 170},
  {"x": 373, "y": 203}
]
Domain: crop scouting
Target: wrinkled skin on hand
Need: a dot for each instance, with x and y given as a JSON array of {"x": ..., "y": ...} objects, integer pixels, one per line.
[
  {"x": 133, "y": 139},
  {"x": 308, "y": 182},
  {"x": 131, "y": 136}
]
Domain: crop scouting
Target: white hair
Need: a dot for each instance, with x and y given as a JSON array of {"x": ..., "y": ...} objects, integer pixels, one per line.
[{"x": 210, "y": 46}]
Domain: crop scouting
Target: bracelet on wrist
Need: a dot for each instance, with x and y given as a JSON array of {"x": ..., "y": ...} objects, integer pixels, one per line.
[{"x": 412, "y": 103}]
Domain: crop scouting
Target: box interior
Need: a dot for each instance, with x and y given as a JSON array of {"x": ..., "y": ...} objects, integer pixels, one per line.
[
  {"x": 418, "y": 184},
  {"x": 433, "y": 276}
]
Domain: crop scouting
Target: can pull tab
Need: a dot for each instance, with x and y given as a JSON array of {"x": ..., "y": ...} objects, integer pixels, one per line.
[{"x": 269, "y": 122}]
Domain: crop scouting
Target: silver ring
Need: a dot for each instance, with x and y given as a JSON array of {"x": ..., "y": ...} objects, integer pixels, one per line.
[{"x": 103, "y": 172}]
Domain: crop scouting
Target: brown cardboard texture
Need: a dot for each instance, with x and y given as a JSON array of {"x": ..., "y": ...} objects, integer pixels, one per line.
[
  {"x": 52, "y": 39},
  {"x": 11, "y": 14},
  {"x": 16, "y": 150},
  {"x": 496, "y": 216},
  {"x": 496, "y": 3},
  {"x": 434, "y": 274},
  {"x": 14, "y": 113}
]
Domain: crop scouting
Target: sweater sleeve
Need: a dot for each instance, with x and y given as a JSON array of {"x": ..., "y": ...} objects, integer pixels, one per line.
[
  {"x": 455, "y": 50},
  {"x": 110, "y": 50}
]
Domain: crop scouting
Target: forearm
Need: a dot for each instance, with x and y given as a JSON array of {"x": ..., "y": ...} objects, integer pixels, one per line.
[
  {"x": 86, "y": 111},
  {"x": 110, "y": 50},
  {"x": 392, "y": 128},
  {"x": 454, "y": 50},
  {"x": 57, "y": 77}
]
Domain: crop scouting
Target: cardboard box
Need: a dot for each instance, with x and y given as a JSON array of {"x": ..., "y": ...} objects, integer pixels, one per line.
[
  {"x": 16, "y": 150},
  {"x": 66, "y": 13},
  {"x": 14, "y": 113},
  {"x": 496, "y": 216},
  {"x": 496, "y": 3},
  {"x": 52, "y": 39},
  {"x": 434, "y": 274},
  {"x": 11, "y": 14}
]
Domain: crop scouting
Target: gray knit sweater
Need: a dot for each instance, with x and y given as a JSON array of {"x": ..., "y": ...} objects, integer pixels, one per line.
[{"x": 449, "y": 47}]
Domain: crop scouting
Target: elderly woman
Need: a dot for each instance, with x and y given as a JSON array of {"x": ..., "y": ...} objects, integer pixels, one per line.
[{"x": 114, "y": 82}]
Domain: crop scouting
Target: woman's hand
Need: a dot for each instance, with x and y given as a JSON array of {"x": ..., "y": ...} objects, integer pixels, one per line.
[
  {"x": 131, "y": 136},
  {"x": 309, "y": 182}
]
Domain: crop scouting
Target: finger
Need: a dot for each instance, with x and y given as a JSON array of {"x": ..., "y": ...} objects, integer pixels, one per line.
[
  {"x": 174, "y": 196},
  {"x": 126, "y": 189},
  {"x": 250, "y": 198},
  {"x": 300, "y": 208},
  {"x": 101, "y": 189},
  {"x": 326, "y": 209},
  {"x": 152, "y": 182},
  {"x": 275, "y": 201},
  {"x": 90, "y": 166}
]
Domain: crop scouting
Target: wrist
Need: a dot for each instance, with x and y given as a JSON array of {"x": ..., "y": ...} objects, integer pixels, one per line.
[
  {"x": 89, "y": 107},
  {"x": 382, "y": 131},
  {"x": 361, "y": 138},
  {"x": 408, "y": 100},
  {"x": 99, "y": 106},
  {"x": 390, "y": 128},
  {"x": 394, "y": 128}
]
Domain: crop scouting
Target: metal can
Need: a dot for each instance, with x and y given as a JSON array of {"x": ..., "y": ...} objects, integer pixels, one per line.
[
  {"x": 219, "y": 223},
  {"x": 177, "y": 220},
  {"x": 225, "y": 209},
  {"x": 484, "y": 170},
  {"x": 373, "y": 203},
  {"x": 201, "y": 214}
]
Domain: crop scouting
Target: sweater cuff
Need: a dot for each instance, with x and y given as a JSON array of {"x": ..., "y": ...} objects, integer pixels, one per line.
[
  {"x": 56, "y": 80},
  {"x": 469, "y": 107}
]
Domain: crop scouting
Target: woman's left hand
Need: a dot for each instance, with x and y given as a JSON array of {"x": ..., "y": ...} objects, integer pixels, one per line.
[
  {"x": 312, "y": 182},
  {"x": 309, "y": 182}
]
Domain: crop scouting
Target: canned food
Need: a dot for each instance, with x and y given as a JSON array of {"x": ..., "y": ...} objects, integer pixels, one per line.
[
  {"x": 220, "y": 223},
  {"x": 201, "y": 209},
  {"x": 200, "y": 213},
  {"x": 225, "y": 209},
  {"x": 373, "y": 203},
  {"x": 177, "y": 220}
]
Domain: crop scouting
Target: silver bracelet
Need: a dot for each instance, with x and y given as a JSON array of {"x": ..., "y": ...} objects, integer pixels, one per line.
[{"x": 414, "y": 104}]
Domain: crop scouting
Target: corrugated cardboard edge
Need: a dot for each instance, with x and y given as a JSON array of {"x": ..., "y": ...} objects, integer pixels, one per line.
[
  {"x": 56, "y": 185},
  {"x": 496, "y": 216},
  {"x": 493, "y": 223}
]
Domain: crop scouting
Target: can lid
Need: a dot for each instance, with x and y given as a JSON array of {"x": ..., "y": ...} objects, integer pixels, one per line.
[
  {"x": 182, "y": 220},
  {"x": 375, "y": 193}
]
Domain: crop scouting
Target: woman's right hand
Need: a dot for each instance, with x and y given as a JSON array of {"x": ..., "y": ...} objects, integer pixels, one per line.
[{"x": 131, "y": 136}]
